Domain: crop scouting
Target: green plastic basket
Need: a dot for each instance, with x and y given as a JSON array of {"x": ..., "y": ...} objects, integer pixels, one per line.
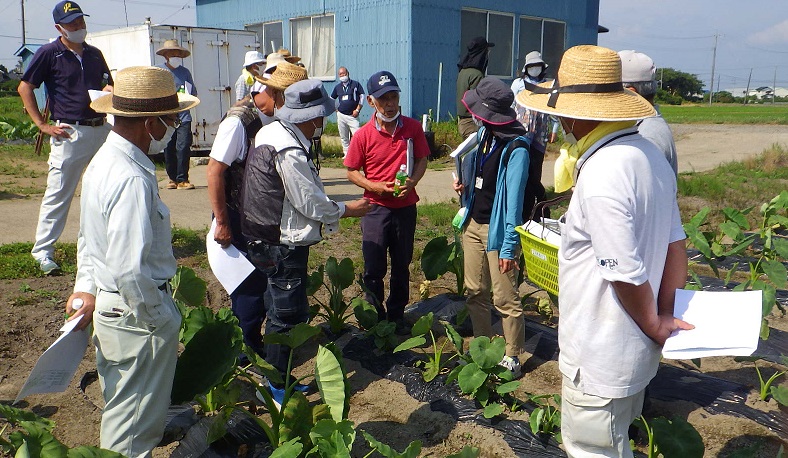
[{"x": 541, "y": 261}]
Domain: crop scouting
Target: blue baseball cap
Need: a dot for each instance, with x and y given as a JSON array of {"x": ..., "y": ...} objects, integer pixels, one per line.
[
  {"x": 381, "y": 83},
  {"x": 66, "y": 12}
]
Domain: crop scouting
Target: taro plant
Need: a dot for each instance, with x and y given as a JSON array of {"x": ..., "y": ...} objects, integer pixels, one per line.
[
  {"x": 441, "y": 256},
  {"x": 33, "y": 438},
  {"x": 411, "y": 451},
  {"x": 382, "y": 332},
  {"x": 340, "y": 276},
  {"x": 671, "y": 438},
  {"x": 545, "y": 419},
  {"x": 482, "y": 377},
  {"x": 779, "y": 393},
  {"x": 765, "y": 250},
  {"x": 435, "y": 362}
]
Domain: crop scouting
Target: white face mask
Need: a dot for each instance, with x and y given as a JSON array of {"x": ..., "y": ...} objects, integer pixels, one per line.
[
  {"x": 344, "y": 79},
  {"x": 157, "y": 146},
  {"x": 318, "y": 130},
  {"x": 534, "y": 71},
  {"x": 77, "y": 36},
  {"x": 381, "y": 116},
  {"x": 569, "y": 135}
]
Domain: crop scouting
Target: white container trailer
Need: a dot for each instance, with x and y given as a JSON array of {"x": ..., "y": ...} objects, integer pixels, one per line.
[{"x": 216, "y": 59}]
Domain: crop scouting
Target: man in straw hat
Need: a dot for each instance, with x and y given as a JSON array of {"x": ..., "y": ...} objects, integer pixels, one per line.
[
  {"x": 493, "y": 190},
  {"x": 284, "y": 210},
  {"x": 178, "y": 150},
  {"x": 69, "y": 67},
  {"x": 637, "y": 74},
  {"x": 254, "y": 64},
  {"x": 125, "y": 261},
  {"x": 622, "y": 253}
]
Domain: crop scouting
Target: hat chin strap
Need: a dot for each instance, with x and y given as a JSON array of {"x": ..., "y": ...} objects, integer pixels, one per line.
[{"x": 573, "y": 89}]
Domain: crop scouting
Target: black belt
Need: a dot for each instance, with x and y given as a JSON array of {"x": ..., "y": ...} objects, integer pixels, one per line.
[
  {"x": 93, "y": 122},
  {"x": 164, "y": 286}
]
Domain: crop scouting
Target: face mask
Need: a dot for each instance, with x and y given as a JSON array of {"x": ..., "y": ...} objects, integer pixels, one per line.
[
  {"x": 381, "y": 116},
  {"x": 77, "y": 36},
  {"x": 344, "y": 79},
  {"x": 157, "y": 146},
  {"x": 477, "y": 121},
  {"x": 318, "y": 132},
  {"x": 534, "y": 71}
]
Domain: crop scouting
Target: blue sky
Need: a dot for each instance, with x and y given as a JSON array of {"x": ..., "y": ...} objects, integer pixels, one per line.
[
  {"x": 675, "y": 33},
  {"x": 680, "y": 34}
]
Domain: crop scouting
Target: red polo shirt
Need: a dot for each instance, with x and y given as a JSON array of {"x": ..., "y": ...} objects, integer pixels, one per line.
[{"x": 380, "y": 155}]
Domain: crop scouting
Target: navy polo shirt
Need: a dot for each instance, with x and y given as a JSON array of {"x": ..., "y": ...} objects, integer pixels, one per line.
[
  {"x": 67, "y": 80},
  {"x": 348, "y": 96}
]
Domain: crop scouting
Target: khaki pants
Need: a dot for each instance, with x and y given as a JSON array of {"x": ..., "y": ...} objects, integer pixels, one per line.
[
  {"x": 482, "y": 276},
  {"x": 592, "y": 426},
  {"x": 466, "y": 127},
  {"x": 136, "y": 366}
]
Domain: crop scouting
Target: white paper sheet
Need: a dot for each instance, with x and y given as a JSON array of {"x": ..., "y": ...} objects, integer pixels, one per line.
[
  {"x": 229, "y": 265},
  {"x": 94, "y": 94},
  {"x": 548, "y": 232},
  {"x": 56, "y": 366},
  {"x": 409, "y": 158},
  {"x": 727, "y": 323},
  {"x": 461, "y": 151}
]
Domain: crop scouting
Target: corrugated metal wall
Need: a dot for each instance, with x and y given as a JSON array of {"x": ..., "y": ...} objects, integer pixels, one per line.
[{"x": 407, "y": 37}]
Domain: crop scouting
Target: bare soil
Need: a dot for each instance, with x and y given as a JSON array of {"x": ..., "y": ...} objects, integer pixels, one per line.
[{"x": 33, "y": 313}]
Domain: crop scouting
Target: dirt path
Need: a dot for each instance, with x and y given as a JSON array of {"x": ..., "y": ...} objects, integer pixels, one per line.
[{"x": 700, "y": 147}]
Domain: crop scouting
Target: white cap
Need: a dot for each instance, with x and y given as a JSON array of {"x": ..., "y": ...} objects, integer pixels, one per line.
[{"x": 636, "y": 67}]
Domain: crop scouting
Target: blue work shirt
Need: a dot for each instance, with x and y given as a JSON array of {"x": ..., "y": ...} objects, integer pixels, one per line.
[
  {"x": 182, "y": 75},
  {"x": 348, "y": 96},
  {"x": 67, "y": 79}
]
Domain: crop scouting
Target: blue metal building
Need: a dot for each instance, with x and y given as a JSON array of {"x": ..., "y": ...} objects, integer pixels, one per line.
[{"x": 419, "y": 41}]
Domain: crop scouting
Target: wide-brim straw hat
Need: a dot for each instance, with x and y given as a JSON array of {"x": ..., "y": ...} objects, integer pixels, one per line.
[
  {"x": 172, "y": 45},
  {"x": 588, "y": 86},
  {"x": 285, "y": 75},
  {"x": 271, "y": 61},
  {"x": 144, "y": 91},
  {"x": 305, "y": 100},
  {"x": 288, "y": 57}
]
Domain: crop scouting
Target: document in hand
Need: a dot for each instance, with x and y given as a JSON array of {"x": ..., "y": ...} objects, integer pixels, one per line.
[
  {"x": 462, "y": 150},
  {"x": 727, "y": 323},
  {"x": 56, "y": 367}
]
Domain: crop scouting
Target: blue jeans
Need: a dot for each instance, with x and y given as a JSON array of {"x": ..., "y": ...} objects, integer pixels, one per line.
[
  {"x": 177, "y": 153},
  {"x": 388, "y": 231},
  {"x": 285, "y": 301},
  {"x": 248, "y": 302}
]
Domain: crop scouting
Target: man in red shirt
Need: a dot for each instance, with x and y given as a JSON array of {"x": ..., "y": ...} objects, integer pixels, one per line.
[{"x": 376, "y": 153}]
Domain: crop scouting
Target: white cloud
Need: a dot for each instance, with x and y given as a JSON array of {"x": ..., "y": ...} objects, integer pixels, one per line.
[{"x": 776, "y": 34}]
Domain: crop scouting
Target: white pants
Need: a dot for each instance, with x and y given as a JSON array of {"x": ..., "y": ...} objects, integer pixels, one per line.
[
  {"x": 347, "y": 125},
  {"x": 136, "y": 365},
  {"x": 67, "y": 160},
  {"x": 592, "y": 426}
]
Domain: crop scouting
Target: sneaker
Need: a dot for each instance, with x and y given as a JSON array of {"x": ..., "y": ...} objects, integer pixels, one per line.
[
  {"x": 172, "y": 185},
  {"x": 185, "y": 185},
  {"x": 512, "y": 364},
  {"x": 278, "y": 395},
  {"x": 48, "y": 266}
]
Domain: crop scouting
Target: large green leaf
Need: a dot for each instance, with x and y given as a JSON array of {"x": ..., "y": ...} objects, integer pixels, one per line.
[
  {"x": 296, "y": 419},
  {"x": 333, "y": 439},
  {"x": 731, "y": 229},
  {"x": 422, "y": 325},
  {"x": 314, "y": 281},
  {"x": 507, "y": 387},
  {"x": 435, "y": 258},
  {"x": 677, "y": 438},
  {"x": 776, "y": 272},
  {"x": 454, "y": 337},
  {"x": 699, "y": 218},
  {"x": 411, "y": 343},
  {"x": 340, "y": 274},
  {"x": 188, "y": 288},
  {"x": 294, "y": 338},
  {"x": 412, "y": 451},
  {"x": 206, "y": 359},
  {"x": 698, "y": 240},
  {"x": 466, "y": 452},
  {"x": 332, "y": 382},
  {"x": 366, "y": 314},
  {"x": 769, "y": 296},
  {"x": 15, "y": 416},
  {"x": 737, "y": 217},
  {"x": 23, "y": 451},
  {"x": 40, "y": 441},
  {"x": 487, "y": 353},
  {"x": 780, "y": 394},
  {"x": 471, "y": 378},
  {"x": 289, "y": 449},
  {"x": 780, "y": 245},
  {"x": 194, "y": 320},
  {"x": 218, "y": 427},
  {"x": 492, "y": 410}
]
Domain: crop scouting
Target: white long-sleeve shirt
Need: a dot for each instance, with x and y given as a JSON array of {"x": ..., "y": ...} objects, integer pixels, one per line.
[{"x": 125, "y": 238}]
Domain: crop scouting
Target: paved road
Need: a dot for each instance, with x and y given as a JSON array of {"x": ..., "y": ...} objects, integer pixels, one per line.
[{"x": 700, "y": 147}]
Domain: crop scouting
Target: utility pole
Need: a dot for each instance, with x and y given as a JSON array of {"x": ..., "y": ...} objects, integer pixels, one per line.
[
  {"x": 24, "y": 40},
  {"x": 661, "y": 76},
  {"x": 713, "y": 63},
  {"x": 774, "y": 84},
  {"x": 747, "y": 92}
]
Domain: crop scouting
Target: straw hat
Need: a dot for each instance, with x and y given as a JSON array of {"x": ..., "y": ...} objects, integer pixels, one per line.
[
  {"x": 144, "y": 91},
  {"x": 285, "y": 75},
  {"x": 172, "y": 45},
  {"x": 588, "y": 86},
  {"x": 271, "y": 61},
  {"x": 288, "y": 57}
]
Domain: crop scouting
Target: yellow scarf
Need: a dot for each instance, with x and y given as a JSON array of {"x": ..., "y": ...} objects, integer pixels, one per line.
[
  {"x": 571, "y": 152},
  {"x": 248, "y": 77}
]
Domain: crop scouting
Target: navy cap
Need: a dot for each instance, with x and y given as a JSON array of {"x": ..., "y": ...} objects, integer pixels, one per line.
[
  {"x": 381, "y": 83},
  {"x": 66, "y": 12}
]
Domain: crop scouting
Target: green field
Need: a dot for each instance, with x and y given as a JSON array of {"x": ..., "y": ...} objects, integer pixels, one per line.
[{"x": 725, "y": 114}]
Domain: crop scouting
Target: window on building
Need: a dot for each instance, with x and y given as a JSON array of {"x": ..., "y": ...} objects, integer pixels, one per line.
[
  {"x": 270, "y": 36},
  {"x": 497, "y": 28},
  {"x": 312, "y": 39},
  {"x": 543, "y": 35}
]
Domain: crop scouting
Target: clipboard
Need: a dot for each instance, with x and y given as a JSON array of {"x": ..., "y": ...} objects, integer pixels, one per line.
[
  {"x": 462, "y": 150},
  {"x": 409, "y": 158}
]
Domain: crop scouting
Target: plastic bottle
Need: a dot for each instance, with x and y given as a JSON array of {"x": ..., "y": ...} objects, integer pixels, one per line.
[
  {"x": 399, "y": 180},
  {"x": 77, "y": 303}
]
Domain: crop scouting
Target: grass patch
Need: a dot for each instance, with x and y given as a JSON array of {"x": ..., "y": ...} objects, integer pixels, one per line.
[
  {"x": 12, "y": 108},
  {"x": 725, "y": 114},
  {"x": 16, "y": 261}
]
